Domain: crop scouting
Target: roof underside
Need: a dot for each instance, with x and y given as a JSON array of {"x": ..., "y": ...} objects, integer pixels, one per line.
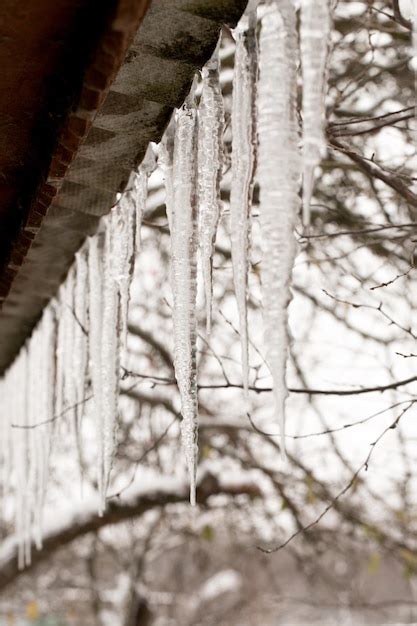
[{"x": 86, "y": 85}]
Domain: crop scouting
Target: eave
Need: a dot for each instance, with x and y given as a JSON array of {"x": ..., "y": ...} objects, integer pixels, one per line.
[{"x": 138, "y": 68}]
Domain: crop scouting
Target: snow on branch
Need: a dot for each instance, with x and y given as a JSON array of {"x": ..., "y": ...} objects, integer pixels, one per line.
[{"x": 161, "y": 492}]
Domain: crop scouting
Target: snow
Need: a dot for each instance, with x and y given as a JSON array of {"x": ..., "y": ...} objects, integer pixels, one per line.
[
  {"x": 242, "y": 165},
  {"x": 314, "y": 43},
  {"x": 210, "y": 165},
  {"x": 184, "y": 237},
  {"x": 279, "y": 179}
]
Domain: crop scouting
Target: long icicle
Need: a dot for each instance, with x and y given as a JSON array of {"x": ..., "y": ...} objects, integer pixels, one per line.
[
  {"x": 414, "y": 64},
  {"x": 122, "y": 221},
  {"x": 76, "y": 342},
  {"x": 95, "y": 306},
  {"x": 45, "y": 429},
  {"x": 166, "y": 163},
  {"x": 184, "y": 278},
  {"x": 243, "y": 165},
  {"x": 139, "y": 192},
  {"x": 210, "y": 165},
  {"x": 314, "y": 42},
  {"x": 19, "y": 380},
  {"x": 279, "y": 179}
]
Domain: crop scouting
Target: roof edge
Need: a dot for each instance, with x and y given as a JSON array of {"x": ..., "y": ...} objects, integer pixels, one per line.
[{"x": 98, "y": 78}]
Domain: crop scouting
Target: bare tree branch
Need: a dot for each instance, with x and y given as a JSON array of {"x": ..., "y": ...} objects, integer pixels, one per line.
[{"x": 118, "y": 512}]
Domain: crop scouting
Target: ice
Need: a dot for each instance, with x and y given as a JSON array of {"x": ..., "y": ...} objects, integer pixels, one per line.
[
  {"x": 80, "y": 347},
  {"x": 95, "y": 292},
  {"x": 279, "y": 180},
  {"x": 184, "y": 227},
  {"x": 122, "y": 224},
  {"x": 165, "y": 162},
  {"x": 243, "y": 164},
  {"x": 314, "y": 42},
  {"x": 73, "y": 351},
  {"x": 210, "y": 164}
]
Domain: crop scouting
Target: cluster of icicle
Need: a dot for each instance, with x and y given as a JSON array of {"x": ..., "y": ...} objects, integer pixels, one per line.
[{"x": 70, "y": 365}]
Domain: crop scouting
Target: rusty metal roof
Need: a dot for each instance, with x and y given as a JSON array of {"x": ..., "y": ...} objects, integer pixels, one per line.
[{"x": 88, "y": 84}]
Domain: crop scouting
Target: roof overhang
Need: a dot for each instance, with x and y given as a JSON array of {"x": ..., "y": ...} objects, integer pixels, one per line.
[{"x": 88, "y": 84}]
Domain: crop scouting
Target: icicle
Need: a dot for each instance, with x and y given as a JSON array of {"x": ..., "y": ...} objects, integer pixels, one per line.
[
  {"x": 210, "y": 163},
  {"x": 279, "y": 176},
  {"x": 104, "y": 344},
  {"x": 414, "y": 33},
  {"x": 184, "y": 278},
  {"x": 73, "y": 350},
  {"x": 80, "y": 348},
  {"x": 7, "y": 400},
  {"x": 123, "y": 224},
  {"x": 110, "y": 350},
  {"x": 140, "y": 190},
  {"x": 139, "y": 194},
  {"x": 243, "y": 163},
  {"x": 95, "y": 290},
  {"x": 165, "y": 162},
  {"x": 314, "y": 41},
  {"x": 35, "y": 383},
  {"x": 60, "y": 359},
  {"x": 69, "y": 323},
  {"x": 76, "y": 343},
  {"x": 19, "y": 380}
]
